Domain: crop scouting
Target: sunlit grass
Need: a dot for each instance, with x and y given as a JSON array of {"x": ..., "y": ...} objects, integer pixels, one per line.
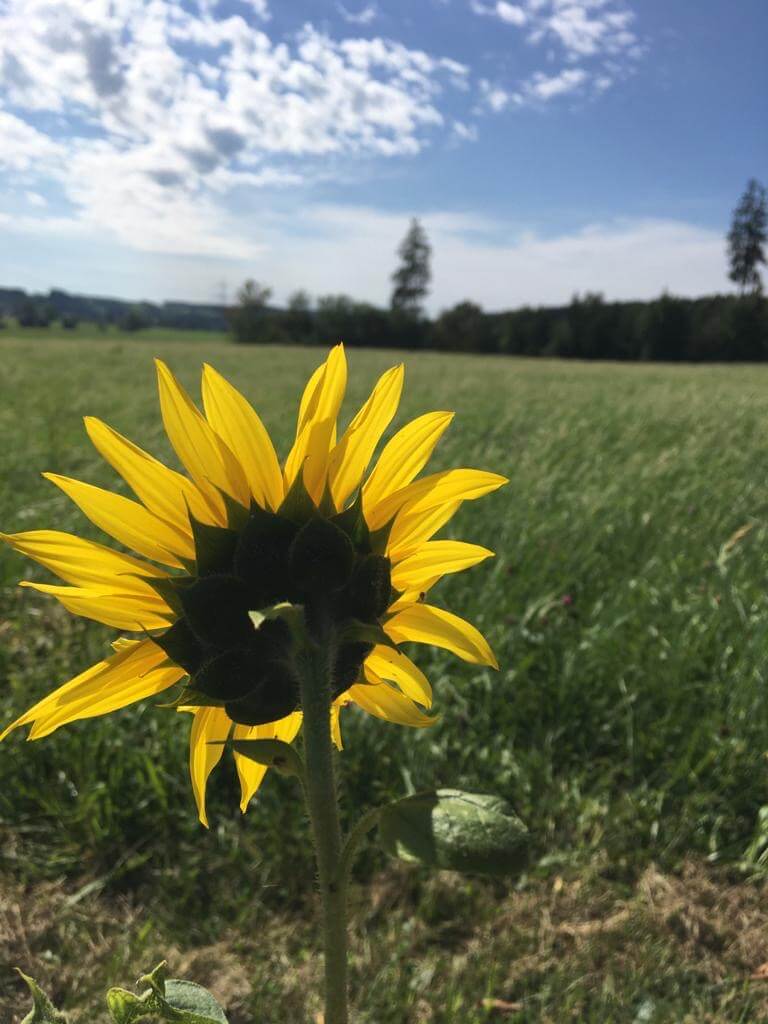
[{"x": 628, "y": 724}]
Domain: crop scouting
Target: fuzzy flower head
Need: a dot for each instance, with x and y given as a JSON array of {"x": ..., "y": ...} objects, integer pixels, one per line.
[{"x": 240, "y": 556}]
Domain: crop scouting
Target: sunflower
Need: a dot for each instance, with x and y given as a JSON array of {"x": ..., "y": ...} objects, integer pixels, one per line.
[{"x": 230, "y": 553}]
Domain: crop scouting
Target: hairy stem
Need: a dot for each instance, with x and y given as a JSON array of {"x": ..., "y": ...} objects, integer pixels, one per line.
[{"x": 320, "y": 790}]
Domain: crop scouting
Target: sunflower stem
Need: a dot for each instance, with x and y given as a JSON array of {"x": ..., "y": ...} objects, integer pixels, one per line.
[{"x": 322, "y": 804}]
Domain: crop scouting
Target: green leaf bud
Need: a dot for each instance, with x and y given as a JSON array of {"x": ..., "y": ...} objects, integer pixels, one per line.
[{"x": 458, "y": 831}]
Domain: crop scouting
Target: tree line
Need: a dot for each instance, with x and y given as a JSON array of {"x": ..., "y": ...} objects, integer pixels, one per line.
[
  {"x": 69, "y": 310},
  {"x": 714, "y": 328}
]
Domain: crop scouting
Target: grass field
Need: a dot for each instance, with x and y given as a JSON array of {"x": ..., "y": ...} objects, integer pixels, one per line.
[{"x": 628, "y": 724}]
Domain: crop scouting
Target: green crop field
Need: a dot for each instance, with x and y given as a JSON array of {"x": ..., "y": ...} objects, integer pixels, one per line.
[{"x": 628, "y": 724}]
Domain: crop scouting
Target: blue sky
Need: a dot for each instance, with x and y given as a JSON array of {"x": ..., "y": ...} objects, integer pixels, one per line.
[{"x": 158, "y": 149}]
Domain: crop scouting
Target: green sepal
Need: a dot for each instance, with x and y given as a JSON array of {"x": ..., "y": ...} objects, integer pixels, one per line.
[
  {"x": 297, "y": 505},
  {"x": 190, "y": 697},
  {"x": 237, "y": 514},
  {"x": 168, "y": 588},
  {"x": 179, "y": 1002},
  {"x": 181, "y": 646},
  {"x": 457, "y": 831},
  {"x": 188, "y": 564},
  {"x": 352, "y": 522},
  {"x": 43, "y": 1011},
  {"x": 273, "y": 754},
  {"x": 355, "y": 632},
  {"x": 379, "y": 539},
  {"x": 327, "y": 507},
  {"x": 214, "y": 547}
]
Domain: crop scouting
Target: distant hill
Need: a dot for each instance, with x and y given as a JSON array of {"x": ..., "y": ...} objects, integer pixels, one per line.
[{"x": 38, "y": 309}]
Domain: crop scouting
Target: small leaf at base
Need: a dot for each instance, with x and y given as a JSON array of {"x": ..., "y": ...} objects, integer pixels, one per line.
[
  {"x": 43, "y": 1011},
  {"x": 175, "y": 1001}
]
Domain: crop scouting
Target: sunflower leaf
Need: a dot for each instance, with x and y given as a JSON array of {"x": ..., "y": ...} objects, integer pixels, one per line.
[
  {"x": 43, "y": 1011},
  {"x": 173, "y": 1000},
  {"x": 457, "y": 831},
  {"x": 273, "y": 754}
]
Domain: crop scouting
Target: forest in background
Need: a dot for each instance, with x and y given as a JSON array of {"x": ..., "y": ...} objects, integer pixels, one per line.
[{"x": 716, "y": 328}]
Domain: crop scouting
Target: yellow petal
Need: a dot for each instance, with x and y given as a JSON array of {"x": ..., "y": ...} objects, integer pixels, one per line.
[
  {"x": 409, "y": 532},
  {"x": 202, "y": 452},
  {"x": 165, "y": 492},
  {"x": 434, "y": 559},
  {"x": 127, "y": 521},
  {"x": 404, "y": 456},
  {"x": 385, "y": 702},
  {"x": 406, "y": 599},
  {"x": 316, "y": 429},
  {"x": 425, "y": 624},
  {"x": 429, "y": 492},
  {"x": 387, "y": 663},
  {"x": 236, "y": 422},
  {"x": 82, "y": 561},
  {"x": 210, "y": 727},
  {"x": 336, "y": 726},
  {"x": 349, "y": 459},
  {"x": 133, "y": 673},
  {"x": 135, "y": 612},
  {"x": 249, "y": 772},
  {"x": 308, "y": 397}
]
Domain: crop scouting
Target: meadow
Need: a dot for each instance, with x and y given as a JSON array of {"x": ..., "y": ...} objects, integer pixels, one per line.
[{"x": 628, "y": 724}]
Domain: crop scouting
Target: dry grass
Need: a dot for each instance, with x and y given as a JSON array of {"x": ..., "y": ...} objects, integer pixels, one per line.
[{"x": 552, "y": 952}]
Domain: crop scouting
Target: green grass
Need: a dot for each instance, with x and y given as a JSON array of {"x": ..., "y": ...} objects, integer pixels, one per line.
[
  {"x": 628, "y": 724},
  {"x": 88, "y": 331}
]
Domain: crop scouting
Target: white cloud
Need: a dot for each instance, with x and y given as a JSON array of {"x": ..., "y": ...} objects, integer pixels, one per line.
[
  {"x": 599, "y": 31},
  {"x": 511, "y": 13},
  {"x": 546, "y": 87},
  {"x": 162, "y": 107},
  {"x": 493, "y": 96},
  {"x": 586, "y": 32},
  {"x": 364, "y": 16},
  {"x": 464, "y": 132},
  {"x": 23, "y": 147},
  {"x": 260, "y": 8},
  {"x": 597, "y": 34}
]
